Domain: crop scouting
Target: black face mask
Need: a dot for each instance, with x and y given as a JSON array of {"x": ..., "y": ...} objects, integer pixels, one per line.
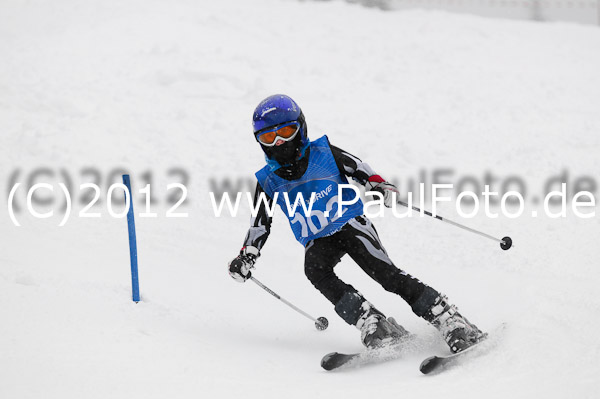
[{"x": 286, "y": 153}]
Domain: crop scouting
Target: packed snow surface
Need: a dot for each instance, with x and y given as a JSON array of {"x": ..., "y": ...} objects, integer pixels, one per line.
[{"x": 147, "y": 86}]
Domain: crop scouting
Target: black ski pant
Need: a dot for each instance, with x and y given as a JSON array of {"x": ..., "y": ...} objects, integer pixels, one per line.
[{"x": 358, "y": 238}]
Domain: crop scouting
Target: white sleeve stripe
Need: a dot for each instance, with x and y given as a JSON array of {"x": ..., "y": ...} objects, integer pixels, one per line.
[{"x": 364, "y": 167}]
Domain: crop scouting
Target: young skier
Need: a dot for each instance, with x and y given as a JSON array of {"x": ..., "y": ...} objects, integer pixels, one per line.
[{"x": 296, "y": 165}]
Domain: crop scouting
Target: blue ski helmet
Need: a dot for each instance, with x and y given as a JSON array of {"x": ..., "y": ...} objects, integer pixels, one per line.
[{"x": 272, "y": 112}]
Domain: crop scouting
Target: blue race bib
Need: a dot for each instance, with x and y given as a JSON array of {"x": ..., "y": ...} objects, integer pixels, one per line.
[{"x": 321, "y": 180}]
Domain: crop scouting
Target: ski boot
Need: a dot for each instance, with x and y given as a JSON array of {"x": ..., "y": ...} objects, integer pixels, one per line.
[
  {"x": 376, "y": 331},
  {"x": 457, "y": 331}
]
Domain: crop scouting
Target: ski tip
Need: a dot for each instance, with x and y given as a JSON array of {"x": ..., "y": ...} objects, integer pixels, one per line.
[
  {"x": 326, "y": 363},
  {"x": 428, "y": 365}
]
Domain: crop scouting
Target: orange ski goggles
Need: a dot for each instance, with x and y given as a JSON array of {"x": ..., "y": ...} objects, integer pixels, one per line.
[{"x": 285, "y": 132}]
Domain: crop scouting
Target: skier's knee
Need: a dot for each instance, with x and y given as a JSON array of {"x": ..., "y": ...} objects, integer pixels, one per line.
[{"x": 313, "y": 272}]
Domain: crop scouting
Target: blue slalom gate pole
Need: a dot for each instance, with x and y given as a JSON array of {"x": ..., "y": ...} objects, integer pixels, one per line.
[{"x": 135, "y": 283}]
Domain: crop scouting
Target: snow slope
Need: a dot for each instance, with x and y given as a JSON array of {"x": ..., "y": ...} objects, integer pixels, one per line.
[{"x": 146, "y": 85}]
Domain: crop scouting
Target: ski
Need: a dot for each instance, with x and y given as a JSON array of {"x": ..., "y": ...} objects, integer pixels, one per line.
[
  {"x": 336, "y": 360},
  {"x": 433, "y": 363},
  {"x": 437, "y": 363}
]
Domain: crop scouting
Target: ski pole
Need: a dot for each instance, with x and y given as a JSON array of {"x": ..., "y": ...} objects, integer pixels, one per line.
[
  {"x": 321, "y": 323},
  {"x": 505, "y": 242}
]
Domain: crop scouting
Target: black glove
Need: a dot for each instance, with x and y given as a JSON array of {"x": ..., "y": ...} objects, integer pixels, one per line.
[{"x": 239, "y": 268}]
